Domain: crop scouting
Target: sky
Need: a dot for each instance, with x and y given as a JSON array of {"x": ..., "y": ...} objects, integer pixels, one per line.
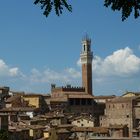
[{"x": 36, "y": 51}]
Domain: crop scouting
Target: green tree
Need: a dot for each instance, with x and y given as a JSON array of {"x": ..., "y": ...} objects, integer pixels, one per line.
[
  {"x": 126, "y": 7},
  {"x": 3, "y": 135},
  {"x": 58, "y": 5}
]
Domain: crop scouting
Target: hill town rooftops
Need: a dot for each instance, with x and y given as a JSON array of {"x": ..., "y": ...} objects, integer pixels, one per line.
[
  {"x": 18, "y": 109},
  {"x": 91, "y": 129}
]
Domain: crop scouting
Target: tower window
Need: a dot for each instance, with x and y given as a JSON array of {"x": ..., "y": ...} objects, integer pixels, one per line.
[{"x": 84, "y": 47}]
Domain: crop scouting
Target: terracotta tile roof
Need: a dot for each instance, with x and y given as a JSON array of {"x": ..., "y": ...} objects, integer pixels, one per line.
[
  {"x": 63, "y": 130},
  {"x": 36, "y": 127},
  {"x": 65, "y": 126},
  {"x": 91, "y": 129},
  {"x": 104, "y": 97},
  {"x": 32, "y": 95},
  {"x": 13, "y": 98},
  {"x": 82, "y": 117},
  {"x": 59, "y": 99},
  {"x": 74, "y": 93},
  {"x": 122, "y": 99},
  {"x": 17, "y": 127},
  {"x": 87, "y": 96},
  {"x": 26, "y": 122},
  {"x": 17, "y": 109},
  {"x": 116, "y": 126}
]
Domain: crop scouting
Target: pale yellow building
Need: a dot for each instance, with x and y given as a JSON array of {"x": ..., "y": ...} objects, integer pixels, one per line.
[
  {"x": 33, "y": 99},
  {"x": 131, "y": 94},
  {"x": 36, "y": 100}
]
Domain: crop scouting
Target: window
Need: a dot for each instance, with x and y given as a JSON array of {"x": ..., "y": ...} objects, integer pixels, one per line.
[
  {"x": 84, "y": 47},
  {"x": 89, "y": 102},
  {"x": 78, "y": 121},
  {"x": 71, "y": 102},
  {"x": 82, "y": 124},
  {"x": 77, "y": 102},
  {"x": 127, "y": 116},
  {"x": 83, "y": 101}
]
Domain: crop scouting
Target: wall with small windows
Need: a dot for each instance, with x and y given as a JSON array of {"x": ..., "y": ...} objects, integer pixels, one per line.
[{"x": 119, "y": 113}]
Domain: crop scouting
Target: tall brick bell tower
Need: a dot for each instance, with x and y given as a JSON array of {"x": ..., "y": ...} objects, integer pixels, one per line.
[{"x": 86, "y": 60}]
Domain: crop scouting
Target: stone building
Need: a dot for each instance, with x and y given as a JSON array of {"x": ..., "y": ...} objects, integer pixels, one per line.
[{"x": 123, "y": 111}]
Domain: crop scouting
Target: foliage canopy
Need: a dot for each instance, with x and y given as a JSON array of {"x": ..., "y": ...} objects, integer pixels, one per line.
[
  {"x": 3, "y": 135},
  {"x": 125, "y": 6}
]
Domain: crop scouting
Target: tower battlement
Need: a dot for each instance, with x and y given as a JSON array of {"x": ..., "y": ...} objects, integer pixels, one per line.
[{"x": 67, "y": 88}]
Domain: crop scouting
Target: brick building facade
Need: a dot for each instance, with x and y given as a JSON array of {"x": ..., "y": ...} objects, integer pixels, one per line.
[{"x": 123, "y": 111}]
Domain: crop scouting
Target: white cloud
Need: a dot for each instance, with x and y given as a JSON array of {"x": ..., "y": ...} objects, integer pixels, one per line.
[
  {"x": 73, "y": 73},
  {"x": 6, "y": 71},
  {"x": 49, "y": 76},
  {"x": 122, "y": 62},
  {"x": 14, "y": 71},
  {"x": 79, "y": 62}
]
